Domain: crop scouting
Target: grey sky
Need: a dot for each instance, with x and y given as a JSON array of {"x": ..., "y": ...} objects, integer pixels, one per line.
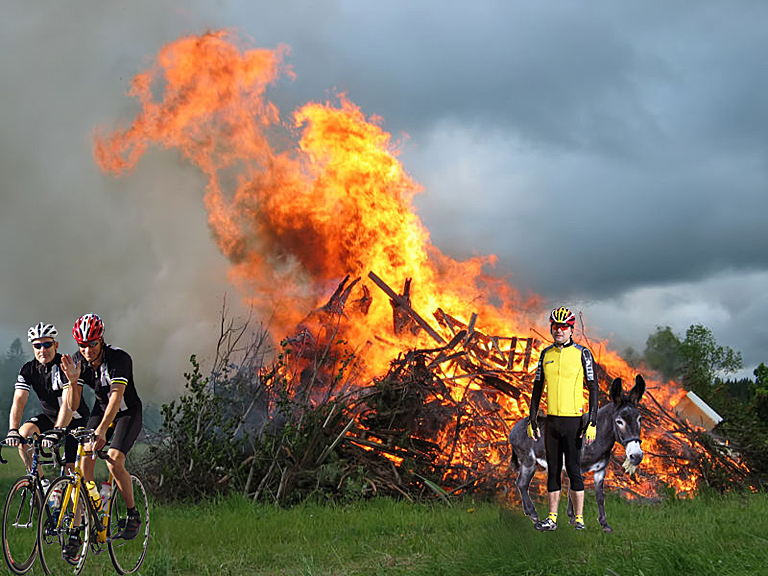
[{"x": 614, "y": 157}]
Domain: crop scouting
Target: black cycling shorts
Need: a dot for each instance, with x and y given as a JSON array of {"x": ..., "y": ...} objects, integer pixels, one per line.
[
  {"x": 562, "y": 438},
  {"x": 44, "y": 424},
  {"x": 127, "y": 426}
]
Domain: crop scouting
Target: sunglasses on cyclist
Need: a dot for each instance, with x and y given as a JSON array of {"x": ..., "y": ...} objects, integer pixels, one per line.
[
  {"x": 41, "y": 345},
  {"x": 91, "y": 344},
  {"x": 562, "y": 327}
]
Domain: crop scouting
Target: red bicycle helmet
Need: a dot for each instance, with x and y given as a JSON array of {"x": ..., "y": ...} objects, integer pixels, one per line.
[{"x": 87, "y": 328}]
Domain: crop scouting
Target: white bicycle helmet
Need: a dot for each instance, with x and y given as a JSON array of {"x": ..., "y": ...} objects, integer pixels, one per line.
[{"x": 42, "y": 330}]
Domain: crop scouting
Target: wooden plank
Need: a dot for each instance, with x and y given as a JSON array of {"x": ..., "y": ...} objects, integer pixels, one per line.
[
  {"x": 471, "y": 327},
  {"x": 512, "y": 351},
  {"x": 442, "y": 358},
  {"x": 528, "y": 349},
  {"x": 404, "y": 305}
]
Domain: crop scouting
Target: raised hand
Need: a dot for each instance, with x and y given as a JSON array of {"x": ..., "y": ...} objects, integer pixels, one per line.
[{"x": 70, "y": 367}]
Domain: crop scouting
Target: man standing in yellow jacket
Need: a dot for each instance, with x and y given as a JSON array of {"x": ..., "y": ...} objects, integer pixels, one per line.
[{"x": 564, "y": 368}]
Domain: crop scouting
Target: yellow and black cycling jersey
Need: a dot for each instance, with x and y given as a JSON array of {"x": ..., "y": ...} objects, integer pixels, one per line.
[{"x": 564, "y": 371}]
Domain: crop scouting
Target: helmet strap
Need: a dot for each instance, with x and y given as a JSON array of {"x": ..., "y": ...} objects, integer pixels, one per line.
[{"x": 100, "y": 357}]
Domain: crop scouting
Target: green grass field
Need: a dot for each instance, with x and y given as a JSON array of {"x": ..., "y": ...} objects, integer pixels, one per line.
[{"x": 707, "y": 535}]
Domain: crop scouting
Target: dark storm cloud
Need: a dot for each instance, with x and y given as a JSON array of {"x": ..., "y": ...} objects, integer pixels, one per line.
[
  {"x": 647, "y": 125},
  {"x": 607, "y": 152}
]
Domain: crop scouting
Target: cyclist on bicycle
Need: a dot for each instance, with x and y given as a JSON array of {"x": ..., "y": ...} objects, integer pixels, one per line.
[
  {"x": 45, "y": 376},
  {"x": 109, "y": 371}
]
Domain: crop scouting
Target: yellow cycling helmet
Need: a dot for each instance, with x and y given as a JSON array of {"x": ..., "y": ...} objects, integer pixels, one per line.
[{"x": 562, "y": 316}]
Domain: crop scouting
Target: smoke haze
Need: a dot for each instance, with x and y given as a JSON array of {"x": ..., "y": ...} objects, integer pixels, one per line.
[{"x": 614, "y": 158}]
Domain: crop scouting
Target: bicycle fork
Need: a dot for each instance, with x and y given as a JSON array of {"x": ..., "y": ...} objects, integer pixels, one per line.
[{"x": 29, "y": 522}]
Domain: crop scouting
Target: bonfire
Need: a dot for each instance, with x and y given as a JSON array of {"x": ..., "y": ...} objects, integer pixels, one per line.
[{"x": 319, "y": 205}]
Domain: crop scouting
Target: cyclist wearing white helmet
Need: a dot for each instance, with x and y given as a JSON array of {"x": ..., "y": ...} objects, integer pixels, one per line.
[
  {"x": 109, "y": 371},
  {"x": 45, "y": 376}
]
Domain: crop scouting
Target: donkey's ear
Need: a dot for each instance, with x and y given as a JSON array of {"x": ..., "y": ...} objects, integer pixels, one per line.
[
  {"x": 615, "y": 391},
  {"x": 637, "y": 392}
]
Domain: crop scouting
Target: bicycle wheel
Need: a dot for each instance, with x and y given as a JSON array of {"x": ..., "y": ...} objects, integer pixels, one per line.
[
  {"x": 127, "y": 555},
  {"x": 20, "y": 517},
  {"x": 60, "y": 521}
]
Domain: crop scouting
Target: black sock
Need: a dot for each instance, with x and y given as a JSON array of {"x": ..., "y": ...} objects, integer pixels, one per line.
[{"x": 132, "y": 511}]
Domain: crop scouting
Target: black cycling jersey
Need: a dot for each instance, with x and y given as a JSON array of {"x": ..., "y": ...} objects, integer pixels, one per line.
[
  {"x": 48, "y": 381},
  {"x": 116, "y": 368}
]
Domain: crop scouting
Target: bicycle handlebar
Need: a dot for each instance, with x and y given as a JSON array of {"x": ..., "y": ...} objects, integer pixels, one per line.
[
  {"x": 2, "y": 443},
  {"x": 34, "y": 440},
  {"x": 83, "y": 435}
]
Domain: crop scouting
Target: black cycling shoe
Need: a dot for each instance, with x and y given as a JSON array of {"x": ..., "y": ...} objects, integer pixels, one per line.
[
  {"x": 71, "y": 549},
  {"x": 129, "y": 528},
  {"x": 546, "y": 525}
]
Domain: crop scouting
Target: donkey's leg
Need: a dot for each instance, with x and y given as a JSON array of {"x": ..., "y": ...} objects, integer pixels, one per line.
[
  {"x": 600, "y": 496},
  {"x": 523, "y": 482},
  {"x": 570, "y": 510}
]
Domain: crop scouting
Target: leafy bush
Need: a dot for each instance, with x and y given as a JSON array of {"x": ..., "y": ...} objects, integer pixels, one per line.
[
  {"x": 265, "y": 430},
  {"x": 195, "y": 454}
]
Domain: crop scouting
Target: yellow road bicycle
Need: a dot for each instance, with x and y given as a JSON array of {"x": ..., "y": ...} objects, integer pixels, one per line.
[{"x": 70, "y": 525}]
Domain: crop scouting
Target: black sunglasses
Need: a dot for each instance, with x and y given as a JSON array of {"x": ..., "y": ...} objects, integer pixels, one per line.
[
  {"x": 91, "y": 344},
  {"x": 46, "y": 345}
]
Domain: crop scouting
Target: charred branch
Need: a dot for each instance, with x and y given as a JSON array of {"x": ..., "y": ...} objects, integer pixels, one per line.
[{"x": 406, "y": 307}]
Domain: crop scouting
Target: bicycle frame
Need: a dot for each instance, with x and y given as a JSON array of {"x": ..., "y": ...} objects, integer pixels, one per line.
[
  {"x": 72, "y": 517},
  {"x": 97, "y": 527}
]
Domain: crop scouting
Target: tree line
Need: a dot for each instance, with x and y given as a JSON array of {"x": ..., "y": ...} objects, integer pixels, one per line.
[{"x": 702, "y": 365}]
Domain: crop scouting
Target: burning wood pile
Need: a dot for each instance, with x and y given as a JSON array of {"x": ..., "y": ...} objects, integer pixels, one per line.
[
  {"x": 436, "y": 423},
  {"x": 297, "y": 201}
]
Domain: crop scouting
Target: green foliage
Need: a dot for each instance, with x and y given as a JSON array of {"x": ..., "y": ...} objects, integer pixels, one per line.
[
  {"x": 270, "y": 432},
  {"x": 744, "y": 406},
  {"x": 663, "y": 352},
  {"x": 739, "y": 389},
  {"x": 296, "y": 457},
  {"x": 703, "y": 358},
  {"x": 696, "y": 360},
  {"x": 196, "y": 455},
  {"x": 759, "y": 390}
]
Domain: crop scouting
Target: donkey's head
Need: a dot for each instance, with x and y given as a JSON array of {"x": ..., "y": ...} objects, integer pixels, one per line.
[{"x": 627, "y": 421}]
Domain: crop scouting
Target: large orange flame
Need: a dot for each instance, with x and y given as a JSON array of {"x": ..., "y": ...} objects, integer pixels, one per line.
[{"x": 296, "y": 206}]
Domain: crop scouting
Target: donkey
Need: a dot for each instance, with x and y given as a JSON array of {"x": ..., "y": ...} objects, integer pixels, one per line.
[{"x": 619, "y": 420}]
